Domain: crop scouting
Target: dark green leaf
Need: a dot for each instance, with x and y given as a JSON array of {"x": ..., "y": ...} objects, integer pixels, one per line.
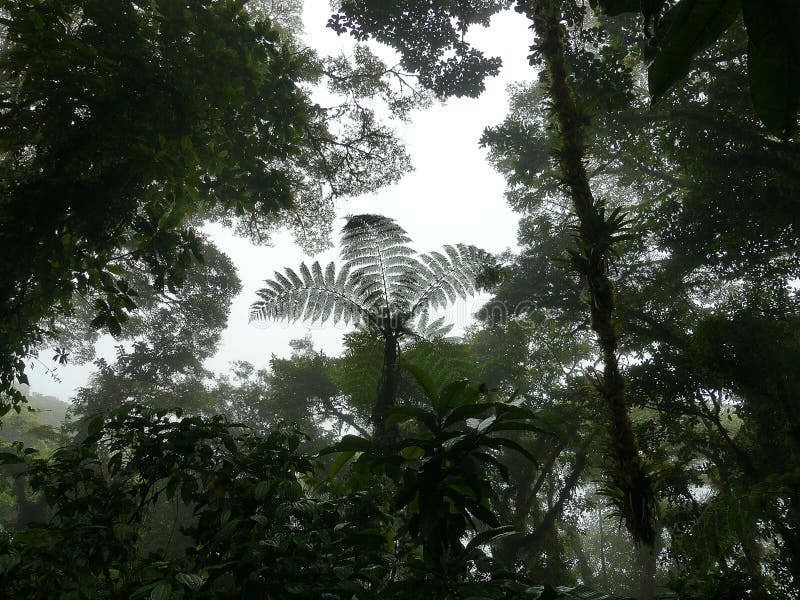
[
  {"x": 482, "y": 512},
  {"x": 351, "y": 443},
  {"x": 163, "y": 591},
  {"x": 261, "y": 490},
  {"x": 773, "y": 61},
  {"x": 687, "y": 29},
  {"x": 496, "y": 533},
  {"x": 492, "y": 460},
  {"x": 190, "y": 580},
  {"x": 515, "y": 426},
  {"x": 456, "y": 394},
  {"x": 500, "y": 442},
  {"x": 425, "y": 381},
  {"x": 401, "y": 414},
  {"x": 340, "y": 461},
  {"x": 9, "y": 458},
  {"x": 469, "y": 411},
  {"x": 95, "y": 424}
]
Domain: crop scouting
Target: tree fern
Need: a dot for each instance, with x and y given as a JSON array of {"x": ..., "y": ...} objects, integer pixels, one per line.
[{"x": 382, "y": 284}]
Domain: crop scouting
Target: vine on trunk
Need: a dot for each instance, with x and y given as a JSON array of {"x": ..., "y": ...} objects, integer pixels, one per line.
[{"x": 596, "y": 234}]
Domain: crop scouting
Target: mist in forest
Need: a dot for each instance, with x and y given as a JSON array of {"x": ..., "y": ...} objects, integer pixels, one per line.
[{"x": 372, "y": 300}]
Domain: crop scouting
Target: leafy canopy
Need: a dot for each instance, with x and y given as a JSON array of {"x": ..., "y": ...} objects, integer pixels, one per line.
[
  {"x": 430, "y": 37},
  {"x": 119, "y": 121}
]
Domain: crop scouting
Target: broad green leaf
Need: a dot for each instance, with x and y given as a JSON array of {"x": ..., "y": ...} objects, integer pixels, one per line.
[
  {"x": 492, "y": 460},
  {"x": 482, "y": 512},
  {"x": 163, "y": 591},
  {"x": 9, "y": 458},
  {"x": 340, "y": 461},
  {"x": 401, "y": 414},
  {"x": 516, "y": 426},
  {"x": 490, "y": 535},
  {"x": 260, "y": 519},
  {"x": 513, "y": 411},
  {"x": 456, "y": 394},
  {"x": 190, "y": 580},
  {"x": 468, "y": 411},
  {"x": 449, "y": 443},
  {"x": 261, "y": 491},
  {"x": 95, "y": 424},
  {"x": 459, "y": 489},
  {"x": 343, "y": 572},
  {"x": 501, "y": 442},
  {"x": 425, "y": 381},
  {"x": 353, "y": 443},
  {"x": 486, "y": 423},
  {"x": 773, "y": 62},
  {"x": 687, "y": 29}
]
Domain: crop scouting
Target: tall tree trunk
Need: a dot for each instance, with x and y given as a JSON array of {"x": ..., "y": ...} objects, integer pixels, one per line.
[
  {"x": 29, "y": 509},
  {"x": 603, "y": 566},
  {"x": 554, "y": 512},
  {"x": 648, "y": 567},
  {"x": 585, "y": 569},
  {"x": 790, "y": 532},
  {"x": 595, "y": 240},
  {"x": 387, "y": 390},
  {"x": 509, "y": 550}
]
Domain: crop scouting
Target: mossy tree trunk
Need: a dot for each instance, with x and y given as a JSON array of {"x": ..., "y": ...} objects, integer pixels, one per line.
[{"x": 595, "y": 238}]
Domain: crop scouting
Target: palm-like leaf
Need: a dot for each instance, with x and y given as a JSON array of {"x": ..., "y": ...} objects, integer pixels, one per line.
[
  {"x": 383, "y": 281},
  {"x": 447, "y": 277},
  {"x": 312, "y": 295}
]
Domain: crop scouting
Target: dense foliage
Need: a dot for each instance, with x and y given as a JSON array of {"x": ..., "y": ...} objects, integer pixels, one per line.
[
  {"x": 260, "y": 522},
  {"x": 622, "y": 417}
]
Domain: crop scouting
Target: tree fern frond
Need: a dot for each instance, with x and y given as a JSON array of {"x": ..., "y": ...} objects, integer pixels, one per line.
[
  {"x": 342, "y": 278},
  {"x": 281, "y": 279},
  {"x": 308, "y": 296},
  {"x": 444, "y": 358},
  {"x": 453, "y": 275},
  {"x": 330, "y": 275},
  {"x": 368, "y": 234},
  {"x": 294, "y": 278},
  {"x": 308, "y": 281},
  {"x": 436, "y": 329},
  {"x": 319, "y": 278},
  {"x": 382, "y": 280}
]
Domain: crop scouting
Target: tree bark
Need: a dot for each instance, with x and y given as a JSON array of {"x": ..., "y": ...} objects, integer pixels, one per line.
[
  {"x": 648, "y": 567},
  {"x": 628, "y": 472}
]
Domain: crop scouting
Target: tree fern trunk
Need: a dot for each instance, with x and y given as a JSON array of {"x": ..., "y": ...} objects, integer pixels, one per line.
[
  {"x": 628, "y": 474},
  {"x": 387, "y": 390}
]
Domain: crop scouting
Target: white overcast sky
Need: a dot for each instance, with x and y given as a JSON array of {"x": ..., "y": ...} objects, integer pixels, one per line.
[{"x": 452, "y": 196}]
